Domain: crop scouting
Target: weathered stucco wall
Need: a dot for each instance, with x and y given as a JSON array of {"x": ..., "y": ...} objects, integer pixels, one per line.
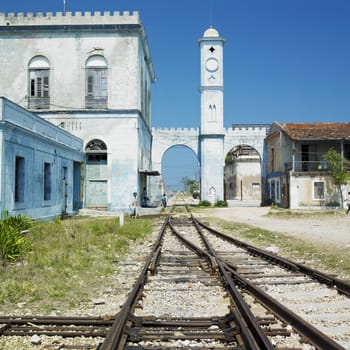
[
  {"x": 128, "y": 142},
  {"x": 37, "y": 142},
  {"x": 303, "y": 192}
]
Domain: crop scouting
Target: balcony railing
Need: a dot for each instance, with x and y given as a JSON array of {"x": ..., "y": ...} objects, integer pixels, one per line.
[{"x": 310, "y": 166}]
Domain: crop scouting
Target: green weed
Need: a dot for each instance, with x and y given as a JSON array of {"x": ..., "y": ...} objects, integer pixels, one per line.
[
  {"x": 13, "y": 244},
  {"x": 68, "y": 261}
]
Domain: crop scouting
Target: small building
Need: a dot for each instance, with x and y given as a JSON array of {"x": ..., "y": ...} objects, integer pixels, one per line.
[
  {"x": 297, "y": 175},
  {"x": 242, "y": 174},
  {"x": 40, "y": 165}
]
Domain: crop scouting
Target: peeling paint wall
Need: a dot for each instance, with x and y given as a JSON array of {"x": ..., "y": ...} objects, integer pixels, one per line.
[{"x": 38, "y": 144}]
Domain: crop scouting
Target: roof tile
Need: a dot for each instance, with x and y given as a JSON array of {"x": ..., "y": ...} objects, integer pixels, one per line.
[{"x": 317, "y": 131}]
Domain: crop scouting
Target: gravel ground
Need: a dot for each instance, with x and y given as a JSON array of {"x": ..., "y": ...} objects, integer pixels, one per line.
[
  {"x": 320, "y": 229},
  {"x": 324, "y": 230}
]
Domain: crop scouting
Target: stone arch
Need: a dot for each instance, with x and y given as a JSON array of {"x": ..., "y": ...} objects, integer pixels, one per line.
[
  {"x": 163, "y": 140},
  {"x": 96, "y": 61},
  {"x": 179, "y": 145},
  {"x": 212, "y": 195},
  {"x": 178, "y": 162},
  {"x": 39, "y": 62},
  {"x": 243, "y": 174},
  {"x": 241, "y": 134},
  {"x": 96, "y": 145}
]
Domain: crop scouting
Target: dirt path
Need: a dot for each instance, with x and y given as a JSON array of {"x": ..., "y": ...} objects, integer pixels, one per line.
[{"x": 324, "y": 229}]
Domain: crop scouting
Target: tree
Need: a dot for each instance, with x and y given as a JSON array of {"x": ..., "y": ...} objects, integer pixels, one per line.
[
  {"x": 339, "y": 168},
  {"x": 190, "y": 185}
]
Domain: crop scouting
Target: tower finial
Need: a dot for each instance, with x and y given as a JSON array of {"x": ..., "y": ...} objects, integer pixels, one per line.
[
  {"x": 64, "y": 7},
  {"x": 211, "y": 13}
]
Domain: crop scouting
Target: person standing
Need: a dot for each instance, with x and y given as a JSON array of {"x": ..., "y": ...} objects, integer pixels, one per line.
[
  {"x": 134, "y": 206},
  {"x": 347, "y": 212},
  {"x": 164, "y": 200}
]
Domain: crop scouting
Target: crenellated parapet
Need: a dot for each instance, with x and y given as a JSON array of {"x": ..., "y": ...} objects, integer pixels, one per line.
[
  {"x": 69, "y": 18},
  {"x": 248, "y": 129},
  {"x": 176, "y": 131}
]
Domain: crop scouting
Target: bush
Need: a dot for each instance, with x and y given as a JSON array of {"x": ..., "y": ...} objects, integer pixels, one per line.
[
  {"x": 19, "y": 223},
  {"x": 221, "y": 204},
  {"x": 12, "y": 243},
  {"x": 204, "y": 203}
]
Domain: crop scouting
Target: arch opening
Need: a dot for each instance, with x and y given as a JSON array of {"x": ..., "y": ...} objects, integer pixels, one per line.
[
  {"x": 243, "y": 174},
  {"x": 180, "y": 170}
]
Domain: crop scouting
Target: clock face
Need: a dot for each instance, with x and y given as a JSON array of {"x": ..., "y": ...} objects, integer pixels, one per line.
[{"x": 212, "y": 64}]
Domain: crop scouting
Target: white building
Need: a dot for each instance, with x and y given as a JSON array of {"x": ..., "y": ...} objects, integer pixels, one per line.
[{"x": 90, "y": 74}]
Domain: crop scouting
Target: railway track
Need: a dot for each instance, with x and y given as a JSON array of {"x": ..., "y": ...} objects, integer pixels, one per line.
[{"x": 200, "y": 288}]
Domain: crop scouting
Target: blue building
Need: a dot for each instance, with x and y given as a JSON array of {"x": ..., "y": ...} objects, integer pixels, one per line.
[{"x": 40, "y": 165}]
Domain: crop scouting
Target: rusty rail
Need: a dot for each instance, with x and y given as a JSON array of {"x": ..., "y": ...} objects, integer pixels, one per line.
[
  {"x": 318, "y": 338},
  {"x": 342, "y": 286}
]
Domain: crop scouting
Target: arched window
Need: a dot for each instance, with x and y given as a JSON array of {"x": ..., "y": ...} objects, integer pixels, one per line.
[
  {"x": 38, "y": 87},
  {"x": 96, "y": 82},
  {"x": 96, "y": 152}
]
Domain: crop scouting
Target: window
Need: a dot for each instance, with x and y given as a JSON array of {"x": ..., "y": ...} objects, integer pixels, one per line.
[
  {"x": 272, "y": 160},
  {"x": 96, "y": 82},
  {"x": 319, "y": 190},
  {"x": 277, "y": 191},
  {"x": 97, "y": 158},
  {"x": 19, "y": 179},
  {"x": 96, "y": 152},
  {"x": 38, "y": 94},
  {"x": 47, "y": 181}
]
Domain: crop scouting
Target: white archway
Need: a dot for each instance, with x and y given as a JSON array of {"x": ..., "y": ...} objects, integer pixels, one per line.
[
  {"x": 179, "y": 162},
  {"x": 250, "y": 135}
]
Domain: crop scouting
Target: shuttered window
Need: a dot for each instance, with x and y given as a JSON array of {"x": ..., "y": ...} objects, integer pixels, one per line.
[
  {"x": 39, "y": 83},
  {"x": 39, "y": 93},
  {"x": 96, "y": 82}
]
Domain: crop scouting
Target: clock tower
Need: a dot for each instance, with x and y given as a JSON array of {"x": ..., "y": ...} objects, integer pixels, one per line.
[{"x": 211, "y": 130}]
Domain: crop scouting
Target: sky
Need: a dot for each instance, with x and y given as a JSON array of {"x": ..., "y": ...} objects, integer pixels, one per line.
[{"x": 284, "y": 60}]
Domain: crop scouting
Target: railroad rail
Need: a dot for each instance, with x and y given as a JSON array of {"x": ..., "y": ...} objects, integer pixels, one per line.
[
  {"x": 201, "y": 288},
  {"x": 254, "y": 336},
  {"x": 58, "y": 326}
]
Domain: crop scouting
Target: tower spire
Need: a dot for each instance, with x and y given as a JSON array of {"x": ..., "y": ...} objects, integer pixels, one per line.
[{"x": 211, "y": 13}]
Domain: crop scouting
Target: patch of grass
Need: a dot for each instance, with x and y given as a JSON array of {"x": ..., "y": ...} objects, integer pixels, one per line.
[
  {"x": 280, "y": 212},
  {"x": 68, "y": 260},
  {"x": 322, "y": 257}
]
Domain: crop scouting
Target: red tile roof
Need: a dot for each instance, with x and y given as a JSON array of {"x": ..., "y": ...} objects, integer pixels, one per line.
[{"x": 317, "y": 131}]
